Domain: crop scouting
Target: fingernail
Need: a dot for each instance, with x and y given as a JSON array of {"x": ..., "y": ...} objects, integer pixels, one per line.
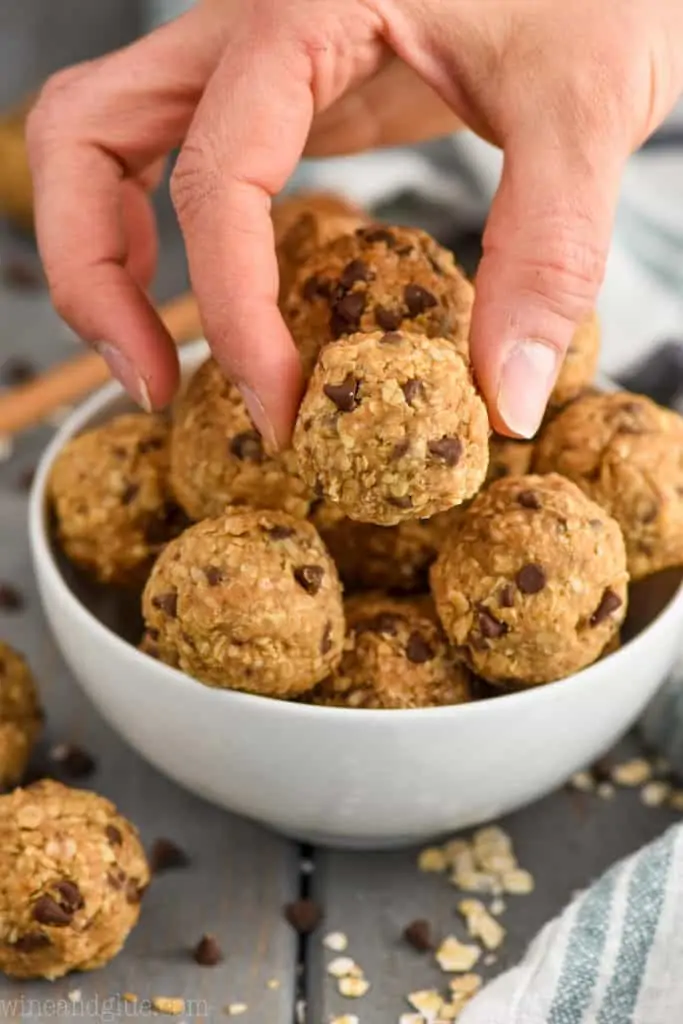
[
  {"x": 526, "y": 380},
  {"x": 125, "y": 373},
  {"x": 259, "y": 417}
]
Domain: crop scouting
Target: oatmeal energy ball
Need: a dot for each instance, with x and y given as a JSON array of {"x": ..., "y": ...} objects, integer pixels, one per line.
[
  {"x": 248, "y": 601},
  {"x": 531, "y": 585},
  {"x": 218, "y": 458},
  {"x": 391, "y": 427},
  {"x": 21, "y": 717},
  {"x": 378, "y": 279},
  {"x": 580, "y": 363},
  {"x": 109, "y": 492},
  {"x": 72, "y": 874},
  {"x": 626, "y": 453},
  {"x": 395, "y": 656}
]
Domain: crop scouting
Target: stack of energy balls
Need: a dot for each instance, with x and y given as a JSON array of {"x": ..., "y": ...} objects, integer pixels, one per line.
[{"x": 398, "y": 553}]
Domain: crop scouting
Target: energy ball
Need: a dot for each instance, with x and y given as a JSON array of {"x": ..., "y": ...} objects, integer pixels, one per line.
[
  {"x": 110, "y": 493},
  {"x": 392, "y": 428},
  {"x": 218, "y": 457},
  {"x": 21, "y": 716},
  {"x": 395, "y": 656},
  {"x": 580, "y": 363},
  {"x": 531, "y": 584},
  {"x": 626, "y": 453},
  {"x": 508, "y": 457},
  {"x": 378, "y": 279},
  {"x": 289, "y": 209},
  {"x": 248, "y": 601},
  {"x": 73, "y": 874}
]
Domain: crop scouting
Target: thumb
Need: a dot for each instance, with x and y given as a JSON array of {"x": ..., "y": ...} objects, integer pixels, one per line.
[{"x": 544, "y": 253}]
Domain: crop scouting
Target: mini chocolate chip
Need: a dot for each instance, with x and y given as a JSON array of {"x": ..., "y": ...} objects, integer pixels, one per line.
[
  {"x": 356, "y": 270},
  {"x": 602, "y": 769},
  {"x": 166, "y": 855},
  {"x": 412, "y": 389},
  {"x": 247, "y": 446},
  {"x": 388, "y": 319},
  {"x": 11, "y": 600},
  {"x": 397, "y": 501},
  {"x": 447, "y": 448},
  {"x": 346, "y": 313},
  {"x": 31, "y": 942},
  {"x": 417, "y": 299},
  {"x": 489, "y": 626},
  {"x": 70, "y": 897},
  {"x": 529, "y": 499},
  {"x": 391, "y": 338},
  {"x": 153, "y": 634},
  {"x": 134, "y": 891},
  {"x": 47, "y": 911},
  {"x": 207, "y": 952},
  {"x": 130, "y": 492},
  {"x": 506, "y": 596},
  {"x": 213, "y": 575},
  {"x": 383, "y": 622},
  {"x": 304, "y": 916},
  {"x": 609, "y": 602},
  {"x": 75, "y": 761},
  {"x": 418, "y": 934},
  {"x": 531, "y": 578},
  {"x": 400, "y": 449},
  {"x": 279, "y": 532},
  {"x": 326, "y": 642},
  {"x": 418, "y": 650},
  {"x": 166, "y": 603},
  {"x": 152, "y": 444},
  {"x": 16, "y": 371},
  {"x": 310, "y": 577},
  {"x": 373, "y": 235},
  {"x": 315, "y": 288},
  {"x": 113, "y": 834},
  {"x": 344, "y": 395}
]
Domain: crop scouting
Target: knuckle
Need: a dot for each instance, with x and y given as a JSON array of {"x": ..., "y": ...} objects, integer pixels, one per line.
[
  {"x": 48, "y": 113},
  {"x": 196, "y": 180}
]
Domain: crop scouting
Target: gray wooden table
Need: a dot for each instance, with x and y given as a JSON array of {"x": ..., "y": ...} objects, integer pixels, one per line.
[{"x": 240, "y": 875}]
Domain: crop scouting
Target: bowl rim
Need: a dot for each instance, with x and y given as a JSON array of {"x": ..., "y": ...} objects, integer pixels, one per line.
[{"x": 43, "y": 554}]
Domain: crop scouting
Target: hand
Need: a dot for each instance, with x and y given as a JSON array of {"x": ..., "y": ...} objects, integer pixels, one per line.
[{"x": 567, "y": 89}]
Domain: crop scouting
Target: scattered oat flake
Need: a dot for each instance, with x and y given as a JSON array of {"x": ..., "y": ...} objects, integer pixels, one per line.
[
  {"x": 655, "y": 794},
  {"x": 632, "y": 773},
  {"x": 75, "y": 995},
  {"x": 492, "y": 836},
  {"x": 168, "y": 1004},
  {"x": 455, "y": 956},
  {"x": 432, "y": 859},
  {"x": 342, "y": 967},
  {"x": 676, "y": 800},
  {"x": 273, "y": 983},
  {"x": 489, "y": 959},
  {"x": 583, "y": 782},
  {"x": 519, "y": 882},
  {"x": 427, "y": 1001},
  {"x": 498, "y": 906},
  {"x": 237, "y": 1009},
  {"x": 465, "y": 985},
  {"x": 480, "y": 924},
  {"x": 605, "y": 791},
  {"x": 130, "y": 997},
  {"x": 411, "y": 1018},
  {"x": 353, "y": 987},
  {"x": 337, "y": 942},
  {"x": 346, "y": 1018}
]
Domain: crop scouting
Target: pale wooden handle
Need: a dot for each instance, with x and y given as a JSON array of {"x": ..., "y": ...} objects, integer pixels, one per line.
[{"x": 31, "y": 403}]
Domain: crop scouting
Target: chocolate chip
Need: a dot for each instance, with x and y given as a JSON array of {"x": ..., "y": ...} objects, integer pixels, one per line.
[
  {"x": 326, "y": 642},
  {"x": 374, "y": 235},
  {"x": 207, "y": 952},
  {"x": 397, "y": 501},
  {"x": 447, "y": 448},
  {"x": 388, "y": 319},
  {"x": 16, "y": 371},
  {"x": 75, "y": 761},
  {"x": 346, "y": 314},
  {"x": 412, "y": 389},
  {"x": 391, "y": 338},
  {"x": 31, "y": 942},
  {"x": 531, "y": 578},
  {"x": 113, "y": 834},
  {"x": 418, "y": 299},
  {"x": 70, "y": 897},
  {"x": 344, "y": 395},
  {"x": 151, "y": 444},
  {"x": 310, "y": 577},
  {"x": 384, "y": 622},
  {"x": 130, "y": 492},
  {"x": 315, "y": 288},
  {"x": 609, "y": 602},
  {"x": 506, "y": 596},
  {"x": 167, "y": 855},
  {"x": 304, "y": 916},
  {"x": 247, "y": 446},
  {"x": 134, "y": 891},
  {"x": 400, "y": 449},
  {"x": 279, "y": 532},
  {"x": 418, "y": 934},
  {"x": 529, "y": 499},
  {"x": 11, "y": 600},
  {"x": 213, "y": 575},
  {"x": 489, "y": 626},
  {"x": 356, "y": 270},
  {"x": 418, "y": 650},
  {"x": 47, "y": 911},
  {"x": 166, "y": 603}
]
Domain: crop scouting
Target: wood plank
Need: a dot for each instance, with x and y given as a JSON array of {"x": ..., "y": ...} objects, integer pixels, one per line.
[{"x": 565, "y": 840}]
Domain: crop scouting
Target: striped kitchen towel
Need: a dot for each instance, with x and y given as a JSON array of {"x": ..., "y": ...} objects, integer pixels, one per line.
[{"x": 614, "y": 956}]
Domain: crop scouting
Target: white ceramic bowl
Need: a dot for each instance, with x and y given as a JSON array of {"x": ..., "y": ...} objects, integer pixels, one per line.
[{"x": 364, "y": 779}]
